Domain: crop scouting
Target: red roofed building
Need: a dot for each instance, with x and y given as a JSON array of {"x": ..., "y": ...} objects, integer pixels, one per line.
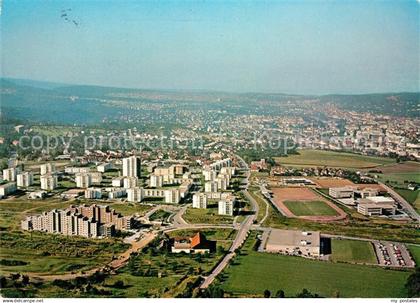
[{"x": 196, "y": 244}]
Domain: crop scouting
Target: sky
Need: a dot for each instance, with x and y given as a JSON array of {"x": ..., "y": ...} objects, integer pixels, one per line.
[{"x": 302, "y": 47}]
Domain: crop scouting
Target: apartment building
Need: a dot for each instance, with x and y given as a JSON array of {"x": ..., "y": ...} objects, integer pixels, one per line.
[
  {"x": 7, "y": 189},
  {"x": 48, "y": 168},
  {"x": 131, "y": 167},
  {"x": 49, "y": 181},
  {"x": 83, "y": 180},
  {"x": 86, "y": 221},
  {"x": 25, "y": 179},
  {"x": 226, "y": 206},
  {"x": 10, "y": 174},
  {"x": 135, "y": 194},
  {"x": 104, "y": 167},
  {"x": 172, "y": 196},
  {"x": 211, "y": 186},
  {"x": 130, "y": 182},
  {"x": 93, "y": 193},
  {"x": 156, "y": 181},
  {"x": 199, "y": 200}
]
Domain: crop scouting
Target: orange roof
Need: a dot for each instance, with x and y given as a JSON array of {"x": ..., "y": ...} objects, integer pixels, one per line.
[{"x": 196, "y": 240}]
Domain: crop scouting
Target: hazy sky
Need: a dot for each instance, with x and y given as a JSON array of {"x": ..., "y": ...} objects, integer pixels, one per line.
[{"x": 267, "y": 46}]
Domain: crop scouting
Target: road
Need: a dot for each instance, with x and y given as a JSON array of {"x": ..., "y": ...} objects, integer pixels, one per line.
[
  {"x": 406, "y": 206},
  {"x": 240, "y": 236}
]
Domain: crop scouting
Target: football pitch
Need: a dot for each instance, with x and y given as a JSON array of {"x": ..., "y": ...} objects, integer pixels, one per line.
[{"x": 310, "y": 208}]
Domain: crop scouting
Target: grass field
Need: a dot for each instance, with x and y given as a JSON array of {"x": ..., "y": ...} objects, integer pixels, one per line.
[
  {"x": 352, "y": 251},
  {"x": 292, "y": 274},
  {"x": 415, "y": 253},
  {"x": 310, "y": 208},
  {"x": 208, "y": 216},
  {"x": 332, "y": 159},
  {"x": 412, "y": 196}
]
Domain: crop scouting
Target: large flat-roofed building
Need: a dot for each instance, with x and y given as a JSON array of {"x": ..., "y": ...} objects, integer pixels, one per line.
[
  {"x": 104, "y": 167},
  {"x": 341, "y": 192},
  {"x": 130, "y": 182},
  {"x": 376, "y": 206},
  {"x": 93, "y": 193},
  {"x": 293, "y": 242},
  {"x": 156, "y": 181}
]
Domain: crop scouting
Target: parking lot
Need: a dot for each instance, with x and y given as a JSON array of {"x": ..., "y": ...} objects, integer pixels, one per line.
[{"x": 393, "y": 254}]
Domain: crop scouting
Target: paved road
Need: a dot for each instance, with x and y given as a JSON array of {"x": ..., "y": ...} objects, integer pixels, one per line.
[{"x": 406, "y": 206}]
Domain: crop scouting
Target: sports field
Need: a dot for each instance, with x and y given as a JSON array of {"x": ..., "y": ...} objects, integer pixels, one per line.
[
  {"x": 310, "y": 208},
  {"x": 332, "y": 159},
  {"x": 297, "y": 202},
  {"x": 352, "y": 251},
  {"x": 292, "y": 274}
]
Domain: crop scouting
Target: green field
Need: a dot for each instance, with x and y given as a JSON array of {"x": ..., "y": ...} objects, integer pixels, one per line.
[
  {"x": 332, "y": 159},
  {"x": 415, "y": 253},
  {"x": 208, "y": 216},
  {"x": 292, "y": 274},
  {"x": 310, "y": 208},
  {"x": 412, "y": 196},
  {"x": 352, "y": 251}
]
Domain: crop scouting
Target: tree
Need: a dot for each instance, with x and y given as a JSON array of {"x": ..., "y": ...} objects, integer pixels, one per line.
[
  {"x": 267, "y": 293},
  {"x": 280, "y": 294},
  {"x": 413, "y": 284},
  {"x": 25, "y": 280}
]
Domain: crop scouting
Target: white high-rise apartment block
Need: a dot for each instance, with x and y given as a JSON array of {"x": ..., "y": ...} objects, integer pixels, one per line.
[
  {"x": 7, "y": 189},
  {"x": 49, "y": 181},
  {"x": 209, "y": 174},
  {"x": 172, "y": 196},
  {"x": 93, "y": 193},
  {"x": 10, "y": 174},
  {"x": 199, "y": 200},
  {"x": 226, "y": 207},
  {"x": 130, "y": 182},
  {"x": 135, "y": 194},
  {"x": 156, "y": 181},
  {"x": 210, "y": 187},
  {"x": 103, "y": 167},
  {"x": 228, "y": 171},
  {"x": 118, "y": 182},
  {"x": 222, "y": 183},
  {"x": 83, "y": 180},
  {"x": 47, "y": 168},
  {"x": 131, "y": 166},
  {"x": 25, "y": 179}
]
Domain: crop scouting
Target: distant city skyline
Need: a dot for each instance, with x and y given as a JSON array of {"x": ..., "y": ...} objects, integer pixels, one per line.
[{"x": 281, "y": 47}]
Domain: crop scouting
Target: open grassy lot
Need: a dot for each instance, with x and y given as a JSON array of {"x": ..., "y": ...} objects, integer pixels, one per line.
[
  {"x": 415, "y": 253},
  {"x": 412, "y": 196},
  {"x": 352, "y": 251},
  {"x": 310, "y": 208},
  {"x": 208, "y": 216},
  {"x": 48, "y": 253},
  {"x": 400, "y": 179},
  {"x": 160, "y": 215},
  {"x": 332, "y": 159},
  {"x": 292, "y": 274},
  {"x": 127, "y": 209}
]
